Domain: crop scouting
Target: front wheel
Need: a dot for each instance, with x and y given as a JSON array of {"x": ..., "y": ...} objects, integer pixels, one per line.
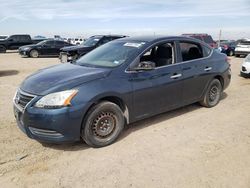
[
  {"x": 213, "y": 94},
  {"x": 103, "y": 124},
  {"x": 34, "y": 53}
]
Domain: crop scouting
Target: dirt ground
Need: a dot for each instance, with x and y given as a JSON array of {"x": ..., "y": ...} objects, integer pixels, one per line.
[{"x": 189, "y": 147}]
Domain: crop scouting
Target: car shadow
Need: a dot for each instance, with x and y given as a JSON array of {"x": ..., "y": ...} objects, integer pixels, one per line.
[
  {"x": 129, "y": 129},
  {"x": 40, "y": 57},
  {"x": 8, "y": 72}
]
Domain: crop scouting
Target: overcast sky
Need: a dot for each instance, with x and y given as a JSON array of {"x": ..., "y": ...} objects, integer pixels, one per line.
[{"x": 130, "y": 17}]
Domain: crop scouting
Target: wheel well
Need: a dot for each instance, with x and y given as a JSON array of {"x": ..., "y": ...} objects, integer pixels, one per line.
[
  {"x": 118, "y": 101},
  {"x": 220, "y": 78}
]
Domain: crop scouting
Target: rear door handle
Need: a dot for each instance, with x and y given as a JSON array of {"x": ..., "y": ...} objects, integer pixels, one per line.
[
  {"x": 176, "y": 76},
  {"x": 208, "y": 69}
]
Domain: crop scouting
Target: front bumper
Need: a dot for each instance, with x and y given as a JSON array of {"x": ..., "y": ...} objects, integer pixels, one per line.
[
  {"x": 245, "y": 72},
  {"x": 50, "y": 125},
  {"x": 23, "y": 53}
]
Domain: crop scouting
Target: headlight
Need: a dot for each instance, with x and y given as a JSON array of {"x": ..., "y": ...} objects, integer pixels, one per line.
[
  {"x": 26, "y": 48},
  {"x": 56, "y": 100}
]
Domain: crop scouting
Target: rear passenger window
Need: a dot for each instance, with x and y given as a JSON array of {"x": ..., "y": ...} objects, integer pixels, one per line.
[{"x": 190, "y": 51}]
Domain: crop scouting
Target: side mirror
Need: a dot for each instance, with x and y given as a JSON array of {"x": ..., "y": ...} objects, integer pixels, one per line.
[
  {"x": 11, "y": 40},
  {"x": 145, "y": 66}
]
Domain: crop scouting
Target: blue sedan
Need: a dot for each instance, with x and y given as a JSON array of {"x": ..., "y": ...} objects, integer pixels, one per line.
[{"x": 121, "y": 82}]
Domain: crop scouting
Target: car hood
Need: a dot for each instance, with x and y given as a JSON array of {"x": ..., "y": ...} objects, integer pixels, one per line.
[
  {"x": 76, "y": 48},
  {"x": 28, "y": 46},
  {"x": 61, "y": 77}
]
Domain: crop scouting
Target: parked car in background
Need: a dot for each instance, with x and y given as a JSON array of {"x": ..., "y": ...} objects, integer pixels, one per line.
[
  {"x": 77, "y": 41},
  {"x": 13, "y": 42},
  {"x": 2, "y": 37},
  {"x": 203, "y": 37},
  {"x": 44, "y": 48},
  {"x": 119, "y": 83},
  {"x": 245, "y": 68},
  {"x": 227, "y": 47},
  {"x": 243, "y": 48},
  {"x": 74, "y": 52}
]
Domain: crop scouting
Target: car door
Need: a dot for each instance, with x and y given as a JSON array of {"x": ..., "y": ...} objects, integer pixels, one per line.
[
  {"x": 58, "y": 46},
  {"x": 157, "y": 90},
  {"x": 13, "y": 42},
  {"x": 47, "y": 48},
  {"x": 196, "y": 69}
]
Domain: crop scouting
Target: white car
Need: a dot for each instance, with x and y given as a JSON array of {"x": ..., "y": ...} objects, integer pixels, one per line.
[
  {"x": 245, "y": 69},
  {"x": 77, "y": 41},
  {"x": 243, "y": 48}
]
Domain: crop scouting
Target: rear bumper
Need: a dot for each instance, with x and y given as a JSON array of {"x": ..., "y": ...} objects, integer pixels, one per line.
[{"x": 227, "y": 78}]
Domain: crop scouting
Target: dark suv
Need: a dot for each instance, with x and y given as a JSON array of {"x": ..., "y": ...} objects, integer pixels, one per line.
[
  {"x": 13, "y": 42},
  {"x": 74, "y": 52},
  {"x": 121, "y": 82},
  {"x": 203, "y": 37}
]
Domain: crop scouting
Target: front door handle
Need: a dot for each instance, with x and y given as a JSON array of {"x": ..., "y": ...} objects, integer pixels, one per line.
[
  {"x": 176, "y": 76},
  {"x": 208, "y": 69}
]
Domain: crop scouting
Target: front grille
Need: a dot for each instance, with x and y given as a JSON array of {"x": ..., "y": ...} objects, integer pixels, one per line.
[
  {"x": 244, "y": 68},
  {"x": 22, "y": 98}
]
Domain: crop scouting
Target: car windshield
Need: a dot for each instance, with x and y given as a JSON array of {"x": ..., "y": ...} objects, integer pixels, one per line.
[
  {"x": 92, "y": 41},
  {"x": 110, "y": 55}
]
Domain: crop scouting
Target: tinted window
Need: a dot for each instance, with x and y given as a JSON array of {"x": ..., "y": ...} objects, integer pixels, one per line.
[
  {"x": 190, "y": 51},
  {"x": 105, "y": 40},
  {"x": 49, "y": 43},
  {"x": 92, "y": 41},
  {"x": 60, "y": 43},
  {"x": 208, "y": 39},
  {"x": 206, "y": 51},
  {"x": 197, "y": 37},
  {"x": 161, "y": 55}
]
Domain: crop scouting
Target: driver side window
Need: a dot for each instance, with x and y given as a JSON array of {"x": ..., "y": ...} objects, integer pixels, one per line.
[{"x": 161, "y": 55}]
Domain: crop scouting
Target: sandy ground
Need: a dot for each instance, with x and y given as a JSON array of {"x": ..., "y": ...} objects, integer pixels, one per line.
[{"x": 189, "y": 147}]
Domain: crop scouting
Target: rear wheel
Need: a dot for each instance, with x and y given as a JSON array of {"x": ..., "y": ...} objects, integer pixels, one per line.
[
  {"x": 103, "y": 124},
  {"x": 213, "y": 94},
  {"x": 34, "y": 53},
  {"x": 2, "y": 49}
]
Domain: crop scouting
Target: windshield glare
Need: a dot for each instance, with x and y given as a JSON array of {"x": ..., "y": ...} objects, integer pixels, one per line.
[
  {"x": 42, "y": 42},
  {"x": 92, "y": 41},
  {"x": 110, "y": 55}
]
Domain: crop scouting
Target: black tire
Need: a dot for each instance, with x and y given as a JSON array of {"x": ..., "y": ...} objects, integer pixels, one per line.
[
  {"x": 103, "y": 124},
  {"x": 34, "y": 54},
  {"x": 2, "y": 49},
  {"x": 213, "y": 94}
]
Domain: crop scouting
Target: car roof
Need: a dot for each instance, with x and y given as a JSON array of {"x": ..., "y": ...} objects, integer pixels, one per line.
[
  {"x": 155, "y": 38},
  {"x": 109, "y": 36}
]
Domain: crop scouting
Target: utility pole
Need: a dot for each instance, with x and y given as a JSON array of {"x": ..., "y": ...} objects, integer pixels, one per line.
[{"x": 219, "y": 39}]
